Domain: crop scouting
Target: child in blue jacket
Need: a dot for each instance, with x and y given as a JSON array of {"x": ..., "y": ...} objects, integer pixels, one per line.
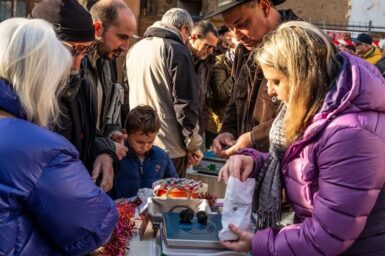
[{"x": 144, "y": 163}]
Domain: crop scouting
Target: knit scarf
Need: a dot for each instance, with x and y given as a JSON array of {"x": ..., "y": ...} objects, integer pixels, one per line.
[{"x": 268, "y": 181}]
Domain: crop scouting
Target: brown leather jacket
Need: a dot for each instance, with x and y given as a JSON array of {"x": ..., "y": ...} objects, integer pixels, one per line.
[{"x": 250, "y": 107}]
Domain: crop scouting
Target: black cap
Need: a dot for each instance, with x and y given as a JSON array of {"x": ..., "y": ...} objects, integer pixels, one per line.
[
  {"x": 224, "y": 5},
  {"x": 364, "y": 39},
  {"x": 71, "y": 20}
]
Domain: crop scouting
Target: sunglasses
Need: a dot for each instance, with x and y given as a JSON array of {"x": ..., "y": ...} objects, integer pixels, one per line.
[{"x": 80, "y": 50}]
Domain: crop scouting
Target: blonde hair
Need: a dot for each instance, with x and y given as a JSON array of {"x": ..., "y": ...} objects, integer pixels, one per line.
[
  {"x": 34, "y": 61},
  {"x": 306, "y": 56}
]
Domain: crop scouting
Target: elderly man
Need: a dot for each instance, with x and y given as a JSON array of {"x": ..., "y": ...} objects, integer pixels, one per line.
[
  {"x": 251, "y": 111},
  {"x": 163, "y": 77}
]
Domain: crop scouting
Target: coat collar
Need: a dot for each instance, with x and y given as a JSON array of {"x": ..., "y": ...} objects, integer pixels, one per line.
[{"x": 9, "y": 101}]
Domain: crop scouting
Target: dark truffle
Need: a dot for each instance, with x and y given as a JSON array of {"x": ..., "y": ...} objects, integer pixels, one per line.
[
  {"x": 186, "y": 216},
  {"x": 202, "y": 217}
]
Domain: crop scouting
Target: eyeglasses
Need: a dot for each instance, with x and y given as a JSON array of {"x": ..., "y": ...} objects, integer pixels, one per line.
[
  {"x": 80, "y": 50},
  {"x": 206, "y": 45},
  {"x": 209, "y": 46}
]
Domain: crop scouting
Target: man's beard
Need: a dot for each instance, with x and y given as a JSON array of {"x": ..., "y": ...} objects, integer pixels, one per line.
[{"x": 103, "y": 52}]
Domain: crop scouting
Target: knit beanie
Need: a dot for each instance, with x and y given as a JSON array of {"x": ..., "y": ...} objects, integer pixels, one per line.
[{"x": 71, "y": 20}]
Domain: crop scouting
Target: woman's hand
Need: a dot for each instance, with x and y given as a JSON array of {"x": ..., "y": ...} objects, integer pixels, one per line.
[
  {"x": 238, "y": 166},
  {"x": 243, "y": 244}
]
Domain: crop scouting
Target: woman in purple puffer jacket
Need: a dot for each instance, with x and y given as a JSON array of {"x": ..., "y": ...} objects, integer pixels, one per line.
[{"x": 327, "y": 150}]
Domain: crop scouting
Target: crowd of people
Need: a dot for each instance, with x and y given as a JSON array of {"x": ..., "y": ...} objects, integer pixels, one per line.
[{"x": 266, "y": 90}]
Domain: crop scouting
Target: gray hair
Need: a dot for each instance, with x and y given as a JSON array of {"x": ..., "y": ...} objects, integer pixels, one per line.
[
  {"x": 178, "y": 17},
  {"x": 37, "y": 65}
]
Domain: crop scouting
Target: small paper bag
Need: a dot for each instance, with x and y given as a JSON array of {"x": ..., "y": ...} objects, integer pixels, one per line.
[{"x": 237, "y": 207}]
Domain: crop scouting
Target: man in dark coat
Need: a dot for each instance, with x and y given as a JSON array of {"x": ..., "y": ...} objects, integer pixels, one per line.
[
  {"x": 114, "y": 24},
  {"x": 250, "y": 113},
  {"x": 78, "y": 104},
  {"x": 202, "y": 42}
]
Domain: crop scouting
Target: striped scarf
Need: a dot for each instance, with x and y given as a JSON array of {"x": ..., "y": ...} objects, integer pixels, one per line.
[{"x": 268, "y": 181}]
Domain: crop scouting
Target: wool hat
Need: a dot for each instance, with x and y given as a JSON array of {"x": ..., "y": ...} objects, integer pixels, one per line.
[
  {"x": 224, "y": 5},
  {"x": 71, "y": 20},
  {"x": 364, "y": 39}
]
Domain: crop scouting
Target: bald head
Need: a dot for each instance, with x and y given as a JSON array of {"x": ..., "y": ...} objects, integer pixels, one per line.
[
  {"x": 108, "y": 11},
  {"x": 47, "y": 10},
  {"x": 114, "y": 24}
]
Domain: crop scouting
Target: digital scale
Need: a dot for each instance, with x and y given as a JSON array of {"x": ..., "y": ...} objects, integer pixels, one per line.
[
  {"x": 194, "y": 239},
  {"x": 210, "y": 164},
  {"x": 194, "y": 234}
]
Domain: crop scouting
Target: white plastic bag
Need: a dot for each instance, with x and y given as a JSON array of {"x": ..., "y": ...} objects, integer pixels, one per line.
[{"x": 237, "y": 207}]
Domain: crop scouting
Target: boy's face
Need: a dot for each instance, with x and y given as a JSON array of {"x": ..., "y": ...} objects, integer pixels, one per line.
[{"x": 141, "y": 143}]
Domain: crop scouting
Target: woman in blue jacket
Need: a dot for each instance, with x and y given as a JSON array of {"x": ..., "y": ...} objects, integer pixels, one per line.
[{"x": 49, "y": 204}]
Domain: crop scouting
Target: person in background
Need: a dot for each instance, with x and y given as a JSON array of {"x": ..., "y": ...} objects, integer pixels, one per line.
[
  {"x": 78, "y": 104},
  {"x": 163, "y": 78},
  {"x": 221, "y": 86},
  {"x": 202, "y": 42},
  {"x": 225, "y": 41},
  {"x": 49, "y": 203},
  {"x": 381, "y": 63},
  {"x": 250, "y": 112},
  {"x": 365, "y": 48},
  {"x": 144, "y": 163},
  {"x": 326, "y": 149}
]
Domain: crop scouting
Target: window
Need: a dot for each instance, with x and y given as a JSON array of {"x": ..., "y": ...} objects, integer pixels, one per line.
[{"x": 15, "y": 8}]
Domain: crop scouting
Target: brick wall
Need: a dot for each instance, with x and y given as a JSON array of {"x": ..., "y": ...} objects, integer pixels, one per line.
[{"x": 329, "y": 11}]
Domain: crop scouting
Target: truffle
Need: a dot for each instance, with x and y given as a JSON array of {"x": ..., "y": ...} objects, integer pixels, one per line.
[
  {"x": 186, "y": 216},
  {"x": 202, "y": 217}
]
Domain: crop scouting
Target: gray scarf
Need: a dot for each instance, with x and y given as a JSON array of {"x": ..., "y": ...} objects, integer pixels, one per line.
[{"x": 268, "y": 182}]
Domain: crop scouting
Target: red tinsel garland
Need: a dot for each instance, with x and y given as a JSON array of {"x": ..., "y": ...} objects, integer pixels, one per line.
[
  {"x": 124, "y": 230},
  {"x": 211, "y": 199}
]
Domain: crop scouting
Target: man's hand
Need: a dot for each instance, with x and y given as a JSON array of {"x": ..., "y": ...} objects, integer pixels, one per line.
[
  {"x": 238, "y": 166},
  {"x": 103, "y": 168},
  {"x": 223, "y": 140},
  {"x": 120, "y": 149},
  {"x": 243, "y": 244},
  {"x": 194, "y": 157},
  {"x": 118, "y": 137},
  {"x": 244, "y": 141}
]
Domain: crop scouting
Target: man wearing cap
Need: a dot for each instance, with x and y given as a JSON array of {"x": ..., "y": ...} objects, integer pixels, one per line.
[
  {"x": 250, "y": 113},
  {"x": 365, "y": 48},
  {"x": 73, "y": 25}
]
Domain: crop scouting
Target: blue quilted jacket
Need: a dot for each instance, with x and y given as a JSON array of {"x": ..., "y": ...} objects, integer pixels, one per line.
[{"x": 49, "y": 204}]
